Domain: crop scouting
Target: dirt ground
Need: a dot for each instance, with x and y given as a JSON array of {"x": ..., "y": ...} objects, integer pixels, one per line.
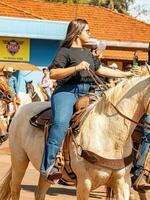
[{"x": 57, "y": 192}]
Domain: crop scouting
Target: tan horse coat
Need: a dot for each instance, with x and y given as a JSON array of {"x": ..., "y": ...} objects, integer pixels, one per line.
[{"x": 102, "y": 131}]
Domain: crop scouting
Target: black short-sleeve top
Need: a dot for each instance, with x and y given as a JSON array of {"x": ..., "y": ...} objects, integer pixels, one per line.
[{"x": 69, "y": 57}]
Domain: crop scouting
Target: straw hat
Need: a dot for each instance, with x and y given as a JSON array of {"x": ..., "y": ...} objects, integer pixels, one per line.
[{"x": 8, "y": 69}]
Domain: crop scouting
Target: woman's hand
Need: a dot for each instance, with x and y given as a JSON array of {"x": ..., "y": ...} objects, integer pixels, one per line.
[
  {"x": 136, "y": 70},
  {"x": 128, "y": 74},
  {"x": 82, "y": 66}
]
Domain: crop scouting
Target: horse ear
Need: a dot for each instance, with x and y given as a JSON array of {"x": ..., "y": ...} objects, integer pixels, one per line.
[{"x": 25, "y": 81}]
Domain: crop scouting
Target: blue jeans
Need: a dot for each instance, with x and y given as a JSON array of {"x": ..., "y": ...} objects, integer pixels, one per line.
[
  {"x": 144, "y": 148},
  {"x": 62, "y": 103}
]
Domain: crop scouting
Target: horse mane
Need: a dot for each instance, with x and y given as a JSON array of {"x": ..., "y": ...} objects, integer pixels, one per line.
[{"x": 115, "y": 95}]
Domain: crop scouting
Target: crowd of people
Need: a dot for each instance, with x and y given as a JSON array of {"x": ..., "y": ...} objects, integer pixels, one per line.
[
  {"x": 70, "y": 70},
  {"x": 47, "y": 84}
]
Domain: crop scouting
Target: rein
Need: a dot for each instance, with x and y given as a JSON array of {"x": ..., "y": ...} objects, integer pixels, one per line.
[
  {"x": 96, "y": 79},
  {"x": 4, "y": 96},
  {"x": 145, "y": 125},
  {"x": 148, "y": 67}
]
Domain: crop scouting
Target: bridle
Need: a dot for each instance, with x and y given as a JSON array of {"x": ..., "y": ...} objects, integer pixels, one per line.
[
  {"x": 100, "y": 83},
  {"x": 30, "y": 90},
  {"x": 4, "y": 96}
]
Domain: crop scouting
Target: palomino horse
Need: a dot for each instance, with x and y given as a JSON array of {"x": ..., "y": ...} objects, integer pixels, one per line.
[
  {"x": 103, "y": 131},
  {"x": 35, "y": 94},
  {"x": 5, "y": 98}
]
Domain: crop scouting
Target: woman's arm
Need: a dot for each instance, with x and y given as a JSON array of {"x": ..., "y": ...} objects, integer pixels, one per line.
[
  {"x": 61, "y": 73},
  {"x": 105, "y": 71},
  {"x": 141, "y": 70}
]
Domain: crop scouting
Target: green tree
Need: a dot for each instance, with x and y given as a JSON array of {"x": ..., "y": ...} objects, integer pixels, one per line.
[{"x": 121, "y": 6}]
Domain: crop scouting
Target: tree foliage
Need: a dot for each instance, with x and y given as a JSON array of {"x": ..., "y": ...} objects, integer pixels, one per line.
[
  {"x": 121, "y": 6},
  {"x": 118, "y": 5}
]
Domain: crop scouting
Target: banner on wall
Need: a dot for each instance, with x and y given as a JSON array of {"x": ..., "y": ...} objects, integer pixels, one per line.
[{"x": 14, "y": 49}]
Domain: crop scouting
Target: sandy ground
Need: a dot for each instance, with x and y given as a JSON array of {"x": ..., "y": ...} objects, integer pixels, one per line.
[{"x": 57, "y": 192}]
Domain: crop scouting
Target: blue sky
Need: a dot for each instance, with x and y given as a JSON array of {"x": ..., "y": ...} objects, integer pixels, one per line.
[{"x": 143, "y": 4}]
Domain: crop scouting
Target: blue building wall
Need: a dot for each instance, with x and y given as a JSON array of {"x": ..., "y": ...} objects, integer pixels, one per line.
[
  {"x": 45, "y": 37},
  {"x": 42, "y": 53}
]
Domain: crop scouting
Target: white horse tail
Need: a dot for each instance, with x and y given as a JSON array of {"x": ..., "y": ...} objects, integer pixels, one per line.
[
  {"x": 109, "y": 193},
  {"x": 5, "y": 190}
]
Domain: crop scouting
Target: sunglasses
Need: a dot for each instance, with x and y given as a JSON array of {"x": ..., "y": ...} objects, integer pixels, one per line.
[{"x": 86, "y": 31}]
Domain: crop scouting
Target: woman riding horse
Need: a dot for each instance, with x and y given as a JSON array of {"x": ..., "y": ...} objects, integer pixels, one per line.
[{"x": 70, "y": 67}]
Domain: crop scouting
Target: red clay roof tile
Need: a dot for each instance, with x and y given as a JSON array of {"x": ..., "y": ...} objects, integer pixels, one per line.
[
  {"x": 104, "y": 23},
  {"x": 124, "y": 55}
]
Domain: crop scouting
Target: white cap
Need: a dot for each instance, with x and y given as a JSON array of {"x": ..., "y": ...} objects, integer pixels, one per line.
[
  {"x": 114, "y": 65},
  {"x": 8, "y": 69}
]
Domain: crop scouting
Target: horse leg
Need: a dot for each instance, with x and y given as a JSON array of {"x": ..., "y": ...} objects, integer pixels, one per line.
[
  {"x": 19, "y": 166},
  {"x": 122, "y": 189},
  {"x": 142, "y": 196},
  {"x": 83, "y": 188},
  {"x": 42, "y": 188}
]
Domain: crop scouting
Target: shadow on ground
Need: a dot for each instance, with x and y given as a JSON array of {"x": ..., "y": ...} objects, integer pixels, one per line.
[{"x": 55, "y": 191}]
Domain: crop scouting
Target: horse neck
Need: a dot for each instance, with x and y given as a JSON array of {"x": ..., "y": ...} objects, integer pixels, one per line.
[
  {"x": 106, "y": 132},
  {"x": 40, "y": 94}
]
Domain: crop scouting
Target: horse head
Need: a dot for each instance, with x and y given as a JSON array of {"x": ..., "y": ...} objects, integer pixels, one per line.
[
  {"x": 29, "y": 87},
  {"x": 32, "y": 91}
]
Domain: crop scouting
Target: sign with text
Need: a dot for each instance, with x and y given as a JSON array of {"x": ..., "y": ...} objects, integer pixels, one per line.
[{"x": 14, "y": 49}]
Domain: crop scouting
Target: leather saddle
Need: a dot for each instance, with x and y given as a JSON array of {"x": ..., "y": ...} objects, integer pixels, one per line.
[{"x": 44, "y": 118}]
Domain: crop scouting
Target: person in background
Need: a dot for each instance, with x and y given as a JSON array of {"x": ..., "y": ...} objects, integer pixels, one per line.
[
  {"x": 135, "y": 59},
  {"x": 141, "y": 170},
  {"x": 141, "y": 173},
  {"x": 113, "y": 81},
  {"x": 46, "y": 83},
  {"x": 97, "y": 50},
  {"x": 128, "y": 67},
  {"x": 12, "y": 83},
  {"x": 70, "y": 68}
]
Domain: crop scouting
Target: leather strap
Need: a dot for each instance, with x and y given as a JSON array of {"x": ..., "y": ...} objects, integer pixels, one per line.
[{"x": 114, "y": 164}]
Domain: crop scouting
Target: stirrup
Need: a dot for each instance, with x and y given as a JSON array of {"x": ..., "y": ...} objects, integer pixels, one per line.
[
  {"x": 140, "y": 184},
  {"x": 54, "y": 176}
]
